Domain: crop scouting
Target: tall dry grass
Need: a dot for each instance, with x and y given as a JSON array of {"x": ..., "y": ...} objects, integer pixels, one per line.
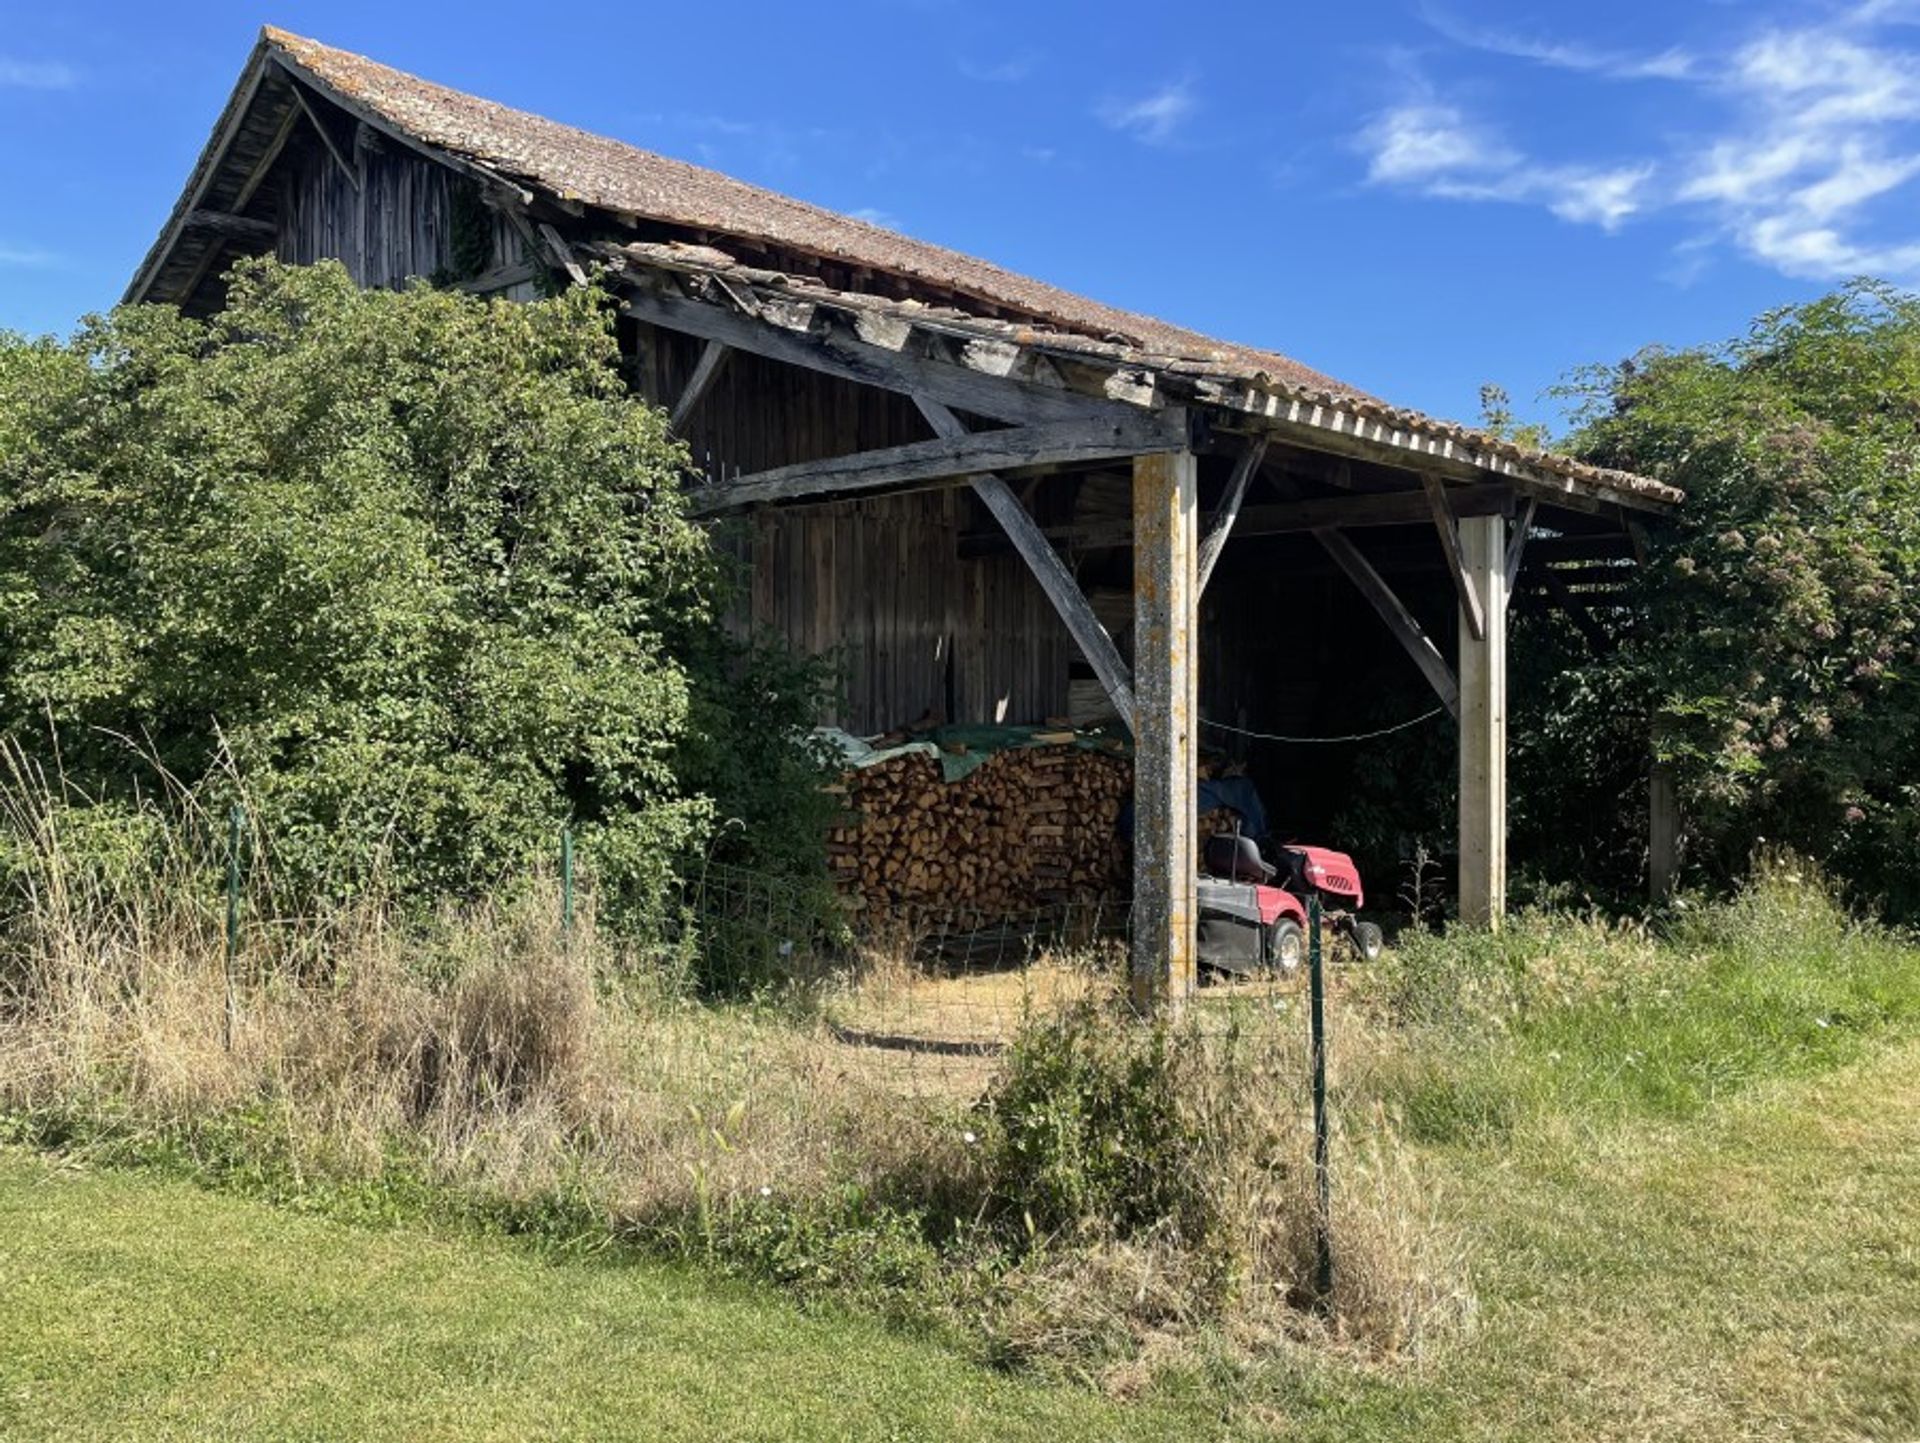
[{"x": 485, "y": 1053}]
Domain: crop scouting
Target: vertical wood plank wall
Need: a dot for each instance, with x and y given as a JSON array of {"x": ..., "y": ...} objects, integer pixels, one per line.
[
  {"x": 878, "y": 583},
  {"x": 397, "y": 227}
]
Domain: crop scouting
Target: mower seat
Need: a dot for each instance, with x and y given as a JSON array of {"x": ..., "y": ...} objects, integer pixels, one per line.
[{"x": 1236, "y": 857}]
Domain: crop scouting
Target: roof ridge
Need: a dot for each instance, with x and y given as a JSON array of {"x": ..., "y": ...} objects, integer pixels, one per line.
[{"x": 783, "y": 220}]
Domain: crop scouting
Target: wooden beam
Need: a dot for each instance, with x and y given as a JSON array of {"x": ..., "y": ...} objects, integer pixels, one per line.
[
  {"x": 324, "y": 128},
  {"x": 232, "y": 227},
  {"x": 1449, "y": 528},
  {"x": 562, "y": 254},
  {"x": 227, "y": 129},
  {"x": 500, "y": 278},
  {"x": 1577, "y": 612},
  {"x": 835, "y": 351},
  {"x": 1663, "y": 833},
  {"x": 951, "y": 458},
  {"x": 1165, "y": 754},
  {"x": 488, "y": 178},
  {"x": 1229, "y": 511},
  {"x": 1393, "y": 508},
  {"x": 712, "y": 357},
  {"x": 1642, "y": 546},
  {"x": 1483, "y": 725},
  {"x": 1517, "y": 547},
  {"x": 1416, "y": 643},
  {"x": 1323, "y": 425},
  {"x": 1059, "y": 584},
  {"x": 261, "y": 167}
]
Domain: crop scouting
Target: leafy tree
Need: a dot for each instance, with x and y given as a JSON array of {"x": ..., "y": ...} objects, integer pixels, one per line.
[
  {"x": 1774, "y": 656},
  {"x": 409, "y": 567}
]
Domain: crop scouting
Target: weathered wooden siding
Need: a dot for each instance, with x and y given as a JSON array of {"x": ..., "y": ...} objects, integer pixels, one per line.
[
  {"x": 396, "y": 225},
  {"x": 878, "y": 584}
]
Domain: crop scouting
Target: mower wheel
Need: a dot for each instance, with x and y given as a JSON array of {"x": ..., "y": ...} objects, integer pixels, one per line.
[
  {"x": 1286, "y": 946},
  {"x": 1369, "y": 941}
]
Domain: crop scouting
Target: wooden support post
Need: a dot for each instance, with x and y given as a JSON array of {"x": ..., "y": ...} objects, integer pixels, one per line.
[
  {"x": 1483, "y": 724},
  {"x": 1663, "y": 834},
  {"x": 1166, "y": 722}
]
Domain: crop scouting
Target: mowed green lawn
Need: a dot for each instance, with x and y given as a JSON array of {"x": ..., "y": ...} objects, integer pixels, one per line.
[
  {"x": 139, "y": 1308},
  {"x": 1754, "y": 1273}
]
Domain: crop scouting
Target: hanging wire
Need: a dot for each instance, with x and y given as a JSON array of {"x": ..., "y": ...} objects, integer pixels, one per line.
[{"x": 1326, "y": 741}]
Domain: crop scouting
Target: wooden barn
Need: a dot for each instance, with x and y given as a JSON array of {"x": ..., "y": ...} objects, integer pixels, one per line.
[{"x": 995, "y": 500}]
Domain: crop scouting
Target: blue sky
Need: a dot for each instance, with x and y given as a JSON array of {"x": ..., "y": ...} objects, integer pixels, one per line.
[{"x": 1415, "y": 196}]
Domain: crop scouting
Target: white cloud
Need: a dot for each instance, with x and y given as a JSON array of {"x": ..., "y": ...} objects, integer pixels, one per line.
[
  {"x": 1814, "y": 133},
  {"x": 1855, "y": 178},
  {"x": 1673, "y": 63},
  {"x": 1828, "y": 78},
  {"x": 36, "y": 75},
  {"x": 874, "y": 216},
  {"x": 1154, "y": 117},
  {"x": 1435, "y": 148},
  {"x": 1606, "y": 198},
  {"x": 1420, "y": 141}
]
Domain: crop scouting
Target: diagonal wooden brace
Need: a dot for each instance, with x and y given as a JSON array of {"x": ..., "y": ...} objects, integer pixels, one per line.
[{"x": 1048, "y": 569}]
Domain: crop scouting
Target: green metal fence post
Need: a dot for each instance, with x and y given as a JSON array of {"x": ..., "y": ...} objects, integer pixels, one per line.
[
  {"x": 566, "y": 881},
  {"x": 236, "y": 840},
  {"x": 1323, "y": 1187}
]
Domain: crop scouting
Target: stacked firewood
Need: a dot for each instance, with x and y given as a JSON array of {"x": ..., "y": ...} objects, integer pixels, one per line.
[{"x": 1029, "y": 828}]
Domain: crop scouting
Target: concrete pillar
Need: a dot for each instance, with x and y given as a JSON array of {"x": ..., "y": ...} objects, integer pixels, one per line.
[
  {"x": 1483, "y": 726},
  {"x": 1166, "y": 718}
]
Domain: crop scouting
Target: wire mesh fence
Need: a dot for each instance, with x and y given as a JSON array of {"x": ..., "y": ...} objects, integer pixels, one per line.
[{"x": 927, "y": 998}]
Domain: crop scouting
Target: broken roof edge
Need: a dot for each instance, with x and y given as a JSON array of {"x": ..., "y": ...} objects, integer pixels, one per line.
[
  {"x": 1408, "y": 439},
  {"x": 1240, "y": 379}
]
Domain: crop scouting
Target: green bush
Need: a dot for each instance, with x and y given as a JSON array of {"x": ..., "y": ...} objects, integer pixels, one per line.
[
  {"x": 1091, "y": 1132},
  {"x": 408, "y": 568},
  {"x": 1771, "y": 659}
]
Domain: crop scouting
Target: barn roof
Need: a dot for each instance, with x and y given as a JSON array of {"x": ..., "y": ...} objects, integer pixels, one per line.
[{"x": 638, "y": 187}]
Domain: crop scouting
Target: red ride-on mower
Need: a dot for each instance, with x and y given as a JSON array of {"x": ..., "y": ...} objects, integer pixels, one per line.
[{"x": 1249, "y": 925}]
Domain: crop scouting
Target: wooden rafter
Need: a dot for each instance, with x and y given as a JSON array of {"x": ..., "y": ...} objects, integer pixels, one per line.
[
  {"x": 951, "y": 458},
  {"x": 804, "y": 336},
  {"x": 557, "y": 247},
  {"x": 1449, "y": 528},
  {"x": 1577, "y": 612},
  {"x": 1076, "y": 613},
  {"x": 1216, "y": 538},
  {"x": 1407, "y": 631},
  {"x": 323, "y": 127},
  {"x": 1328, "y": 426},
  {"x": 1393, "y": 508},
  {"x": 1517, "y": 546},
  {"x": 231, "y": 227},
  {"x": 489, "y": 178},
  {"x": 712, "y": 357}
]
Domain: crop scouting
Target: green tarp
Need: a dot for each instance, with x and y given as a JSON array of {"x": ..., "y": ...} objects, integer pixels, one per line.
[{"x": 960, "y": 749}]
